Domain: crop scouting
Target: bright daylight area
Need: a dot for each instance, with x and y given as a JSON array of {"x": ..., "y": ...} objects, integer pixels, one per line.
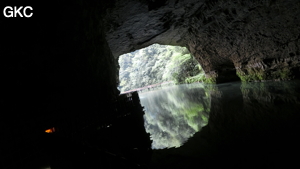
[
  {"x": 156, "y": 65},
  {"x": 172, "y": 114}
]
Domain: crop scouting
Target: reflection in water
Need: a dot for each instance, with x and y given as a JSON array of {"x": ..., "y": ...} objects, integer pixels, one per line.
[
  {"x": 250, "y": 124},
  {"x": 174, "y": 114}
]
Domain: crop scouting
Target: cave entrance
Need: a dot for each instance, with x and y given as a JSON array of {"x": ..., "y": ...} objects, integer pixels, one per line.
[{"x": 157, "y": 65}]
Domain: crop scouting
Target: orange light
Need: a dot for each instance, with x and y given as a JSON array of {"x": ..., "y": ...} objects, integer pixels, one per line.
[{"x": 51, "y": 130}]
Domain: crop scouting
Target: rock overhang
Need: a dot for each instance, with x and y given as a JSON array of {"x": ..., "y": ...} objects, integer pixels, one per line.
[{"x": 251, "y": 41}]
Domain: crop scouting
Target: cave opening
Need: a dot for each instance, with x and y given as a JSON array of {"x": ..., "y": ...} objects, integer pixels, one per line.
[
  {"x": 59, "y": 71},
  {"x": 157, "y": 65}
]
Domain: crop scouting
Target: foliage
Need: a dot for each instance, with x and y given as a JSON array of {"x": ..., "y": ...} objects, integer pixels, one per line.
[
  {"x": 156, "y": 64},
  {"x": 260, "y": 75},
  {"x": 198, "y": 78}
]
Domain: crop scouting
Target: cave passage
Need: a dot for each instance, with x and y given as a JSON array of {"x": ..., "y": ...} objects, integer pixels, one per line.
[
  {"x": 60, "y": 67},
  {"x": 157, "y": 65}
]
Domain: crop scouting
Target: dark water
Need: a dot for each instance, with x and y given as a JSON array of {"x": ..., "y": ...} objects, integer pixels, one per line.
[{"x": 234, "y": 124}]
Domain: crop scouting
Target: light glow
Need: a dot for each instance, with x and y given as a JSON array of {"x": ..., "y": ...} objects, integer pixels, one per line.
[{"x": 51, "y": 130}]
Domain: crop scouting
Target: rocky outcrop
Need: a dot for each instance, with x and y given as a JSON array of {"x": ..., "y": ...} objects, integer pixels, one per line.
[{"x": 247, "y": 40}]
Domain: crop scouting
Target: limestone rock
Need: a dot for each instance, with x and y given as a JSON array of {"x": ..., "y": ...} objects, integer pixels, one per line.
[{"x": 248, "y": 40}]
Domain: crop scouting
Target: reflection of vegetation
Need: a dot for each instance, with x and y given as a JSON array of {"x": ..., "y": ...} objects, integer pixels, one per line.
[
  {"x": 256, "y": 118},
  {"x": 156, "y": 64},
  {"x": 192, "y": 116},
  {"x": 174, "y": 114},
  {"x": 270, "y": 91}
]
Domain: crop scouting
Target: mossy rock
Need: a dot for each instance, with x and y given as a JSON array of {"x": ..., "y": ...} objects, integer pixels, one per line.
[
  {"x": 281, "y": 74},
  {"x": 210, "y": 80}
]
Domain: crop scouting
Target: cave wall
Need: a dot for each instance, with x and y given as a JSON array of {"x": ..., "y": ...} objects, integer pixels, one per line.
[
  {"x": 57, "y": 71},
  {"x": 62, "y": 61},
  {"x": 247, "y": 40},
  {"x": 62, "y": 55}
]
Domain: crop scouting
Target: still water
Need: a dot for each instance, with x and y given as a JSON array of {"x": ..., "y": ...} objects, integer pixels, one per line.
[
  {"x": 174, "y": 114},
  {"x": 227, "y": 121}
]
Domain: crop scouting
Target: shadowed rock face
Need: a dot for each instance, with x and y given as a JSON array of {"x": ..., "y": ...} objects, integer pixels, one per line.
[
  {"x": 57, "y": 70},
  {"x": 247, "y": 40}
]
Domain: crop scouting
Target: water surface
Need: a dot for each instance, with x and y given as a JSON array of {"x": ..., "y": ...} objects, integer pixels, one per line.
[
  {"x": 173, "y": 114},
  {"x": 234, "y": 123}
]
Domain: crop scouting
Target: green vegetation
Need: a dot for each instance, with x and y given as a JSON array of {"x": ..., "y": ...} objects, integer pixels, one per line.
[
  {"x": 260, "y": 75},
  {"x": 285, "y": 73},
  {"x": 209, "y": 80},
  {"x": 156, "y": 64},
  {"x": 198, "y": 78},
  {"x": 252, "y": 75},
  {"x": 175, "y": 113}
]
